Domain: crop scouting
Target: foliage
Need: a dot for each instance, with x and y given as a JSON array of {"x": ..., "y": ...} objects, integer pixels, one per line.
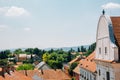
[
  {"x": 45, "y": 57},
  {"x": 29, "y": 50},
  {"x": 83, "y": 49},
  {"x": 69, "y": 56},
  {"x": 3, "y": 62},
  {"x": 90, "y": 49},
  {"x": 18, "y": 51},
  {"x": 55, "y": 58},
  {"x": 78, "y": 49},
  {"x": 73, "y": 78},
  {"x": 72, "y": 66},
  {"x": 4, "y": 54},
  {"x": 25, "y": 67}
]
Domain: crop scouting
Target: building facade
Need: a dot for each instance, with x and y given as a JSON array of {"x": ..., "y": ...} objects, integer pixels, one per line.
[
  {"x": 107, "y": 48},
  {"x": 107, "y": 53}
]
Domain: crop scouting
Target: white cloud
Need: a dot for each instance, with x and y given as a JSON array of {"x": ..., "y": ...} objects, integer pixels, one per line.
[
  {"x": 14, "y": 11},
  {"x": 111, "y": 6},
  {"x": 27, "y": 29},
  {"x": 3, "y": 27},
  {"x": 3, "y": 10}
]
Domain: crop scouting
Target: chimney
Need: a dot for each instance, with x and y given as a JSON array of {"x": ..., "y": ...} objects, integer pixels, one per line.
[
  {"x": 26, "y": 73},
  {"x": 42, "y": 71},
  {"x": 3, "y": 71},
  {"x": 12, "y": 69},
  {"x": 8, "y": 70}
]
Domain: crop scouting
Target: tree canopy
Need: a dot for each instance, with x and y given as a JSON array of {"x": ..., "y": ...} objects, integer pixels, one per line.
[{"x": 25, "y": 67}]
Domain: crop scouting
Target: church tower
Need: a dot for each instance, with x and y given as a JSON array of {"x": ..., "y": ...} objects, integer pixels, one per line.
[{"x": 107, "y": 47}]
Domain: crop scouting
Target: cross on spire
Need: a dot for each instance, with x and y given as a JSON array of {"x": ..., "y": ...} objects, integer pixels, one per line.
[{"x": 103, "y": 11}]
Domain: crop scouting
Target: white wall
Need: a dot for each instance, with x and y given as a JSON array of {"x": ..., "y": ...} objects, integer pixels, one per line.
[
  {"x": 103, "y": 40},
  {"x": 103, "y": 70},
  {"x": 89, "y": 75}
]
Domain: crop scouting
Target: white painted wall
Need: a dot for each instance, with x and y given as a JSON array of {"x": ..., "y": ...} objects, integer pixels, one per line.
[
  {"x": 103, "y": 40},
  {"x": 103, "y": 70},
  {"x": 89, "y": 75}
]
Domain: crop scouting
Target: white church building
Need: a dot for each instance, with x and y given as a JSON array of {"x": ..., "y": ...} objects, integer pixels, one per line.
[{"x": 107, "y": 53}]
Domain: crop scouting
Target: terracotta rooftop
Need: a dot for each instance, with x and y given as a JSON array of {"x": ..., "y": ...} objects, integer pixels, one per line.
[
  {"x": 7, "y": 73},
  {"x": 14, "y": 76},
  {"x": 116, "y": 28},
  {"x": 89, "y": 63},
  {"x": 116, "y": 67},
  {"x": 77, "y": 59},
  {"x": 49, "y": 74},
  {"x": 77, "y": 69}
]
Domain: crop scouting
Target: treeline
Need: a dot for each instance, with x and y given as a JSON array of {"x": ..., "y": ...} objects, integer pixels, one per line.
[
  {"x": 4, "y": 54},
  {"x": 90, "y": 49},
  {"x": 54, "y": 58}
]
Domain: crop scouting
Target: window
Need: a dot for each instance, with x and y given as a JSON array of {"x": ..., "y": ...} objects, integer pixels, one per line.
[
  {"x": 99, "y": 72},
  {"x": 105, "y": 50},
  {"x": 107, "y": 76},
  {"x": 100, "y": 50}
]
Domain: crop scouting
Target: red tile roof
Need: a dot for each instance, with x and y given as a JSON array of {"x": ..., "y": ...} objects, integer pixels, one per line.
[
  {"x": 77, "y": 59},
  {"x": 89, "y": 63},
  {"x": 49, "y": 74},
  {"x": 116, "y": 28},
  {"x": 77, "y": 69},
  {"x": 14, "y": 76}
]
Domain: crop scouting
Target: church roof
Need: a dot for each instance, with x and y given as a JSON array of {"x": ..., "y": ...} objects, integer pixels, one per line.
[{"x": 116, "y": 28}]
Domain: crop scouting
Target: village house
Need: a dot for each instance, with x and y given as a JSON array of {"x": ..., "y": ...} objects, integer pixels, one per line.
[
  {"x": 88, "y": 68},
  {"x": 22, "y": 57},
  {"x": 76, "y": 71}
]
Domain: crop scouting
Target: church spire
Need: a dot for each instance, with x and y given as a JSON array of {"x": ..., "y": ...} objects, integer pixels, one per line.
[{"x": 103, "y": 12}]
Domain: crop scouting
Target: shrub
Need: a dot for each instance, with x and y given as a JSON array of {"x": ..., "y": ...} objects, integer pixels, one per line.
[{"x": 25, "y": 67}]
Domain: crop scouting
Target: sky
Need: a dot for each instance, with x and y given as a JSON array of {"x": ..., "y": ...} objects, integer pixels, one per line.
[{"x": 51, "y": 23}]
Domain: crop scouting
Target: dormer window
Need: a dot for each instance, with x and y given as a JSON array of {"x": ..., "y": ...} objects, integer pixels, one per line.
[
  {"x": 100, "y": 50},
  {"x": 105, "y": 50}
]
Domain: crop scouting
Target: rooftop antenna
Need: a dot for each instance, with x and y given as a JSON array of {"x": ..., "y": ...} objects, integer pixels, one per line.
[{"x": 103, "y": 12}]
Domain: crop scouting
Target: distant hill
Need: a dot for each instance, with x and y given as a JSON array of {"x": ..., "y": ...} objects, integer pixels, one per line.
[
  {"x": 68, "y": 48},
  {"x": 47, "y": 49}
]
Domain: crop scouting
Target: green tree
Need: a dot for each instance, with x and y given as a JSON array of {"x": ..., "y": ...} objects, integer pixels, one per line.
[
  {"x": 69, "y": 58},
  {"x": 18, "y": 51},
  {"x": 3, "y": 62},
  {"x": 29, "y": 50},
  {"x": 36, "y": 51},
  {"x": 45, "y": 57},
  {"x": 90, "y": 49},
  {"x": 72, "y": 66},
  {"x": 25, "y": 67},
  {"x": 4, "y": 54},
  {"x": 78, "y": 49},
  {"x": 83, "y": 49}
]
